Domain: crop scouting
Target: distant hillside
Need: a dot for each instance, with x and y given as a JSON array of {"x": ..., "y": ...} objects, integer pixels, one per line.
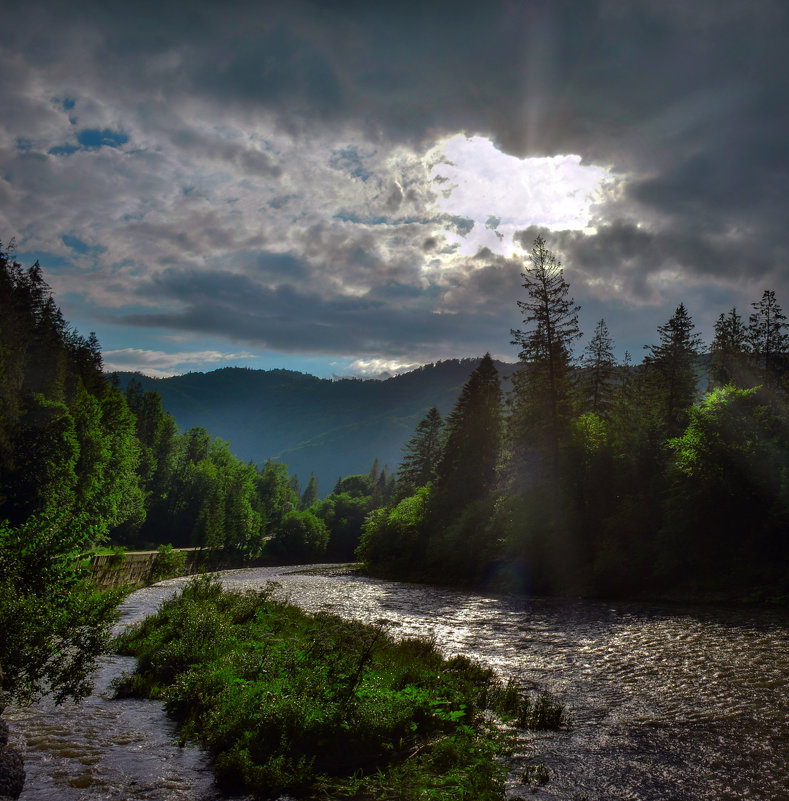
[{"x": 334, "y": 428}]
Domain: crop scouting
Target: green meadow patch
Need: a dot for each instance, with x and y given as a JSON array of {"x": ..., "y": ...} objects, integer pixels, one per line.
[{"x": 319, "y": 706}]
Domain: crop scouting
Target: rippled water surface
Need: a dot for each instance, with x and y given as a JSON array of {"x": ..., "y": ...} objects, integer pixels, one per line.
[{"x": 665, "y": 703}]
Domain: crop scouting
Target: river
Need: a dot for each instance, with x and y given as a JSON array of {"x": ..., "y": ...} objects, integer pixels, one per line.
[{"x": 665, "y": 703}]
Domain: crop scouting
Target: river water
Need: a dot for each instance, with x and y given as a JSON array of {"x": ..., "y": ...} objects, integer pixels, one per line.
[{"x": 665, "y": 703}]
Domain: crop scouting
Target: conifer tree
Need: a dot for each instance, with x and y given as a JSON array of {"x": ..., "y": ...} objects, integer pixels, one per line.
[
  {"x": 467, "y": 468},
  {"x": 671, "y": 366},
  {"x": 767, "y": 338},
  {"x": 421, "y": 453},
  {"x": 599, "y": 363},
  {"x": 310, "y": 494},
  {"x": 541, "y": 387},
  {"x": 729, "y": 350}
]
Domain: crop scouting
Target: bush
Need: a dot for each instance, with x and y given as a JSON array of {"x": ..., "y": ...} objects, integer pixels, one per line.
[
  {"x": 168, "y": 564},
  {"x": 289, "y": 702},
  {"x": 301, "y": 537}
]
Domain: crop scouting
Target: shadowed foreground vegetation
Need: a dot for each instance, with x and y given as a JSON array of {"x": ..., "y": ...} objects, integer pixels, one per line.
[{"x": 316, "y": 705}]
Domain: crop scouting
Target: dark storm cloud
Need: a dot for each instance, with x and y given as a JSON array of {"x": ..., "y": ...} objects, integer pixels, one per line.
[
  {"x": 688, "y": 102},
  {"x": 541, "y": 77},
  {"x": 292, "y": 320}
]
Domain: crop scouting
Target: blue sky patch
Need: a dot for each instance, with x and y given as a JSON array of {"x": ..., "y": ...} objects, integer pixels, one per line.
[
  {"x": 78, "y": 246},
  {"x": 93, "y": 138}
]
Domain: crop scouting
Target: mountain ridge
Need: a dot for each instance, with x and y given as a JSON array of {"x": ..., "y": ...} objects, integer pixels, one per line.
[{"x": 331, "y": 427}]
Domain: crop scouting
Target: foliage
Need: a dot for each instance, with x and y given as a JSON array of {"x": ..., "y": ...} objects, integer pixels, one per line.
[
  {"x": 169, "y": 563},
  {"x": 288, "y": 702},
  {"x": 728, "y": 499},
  {"x": 729, "y": 351},
  {"x": 466, "y": 470},
  {"x": 392, "y": 539},
  {"x": 343, "y": 515},
  {"x": 599, "y": 364},
  {"x": 421, "y": 453},
  {"x": 541, "y": 388},
  {"x": 301, "y": 537},
  {"x": 310, "y": 494},
  {"x": 55, "y": 622},
  {"x": 622, "y": 488},
  {"x": 671, "y": 367},
  {"x": 67, "y": 443},
  {"x": 768, "y": 338}
]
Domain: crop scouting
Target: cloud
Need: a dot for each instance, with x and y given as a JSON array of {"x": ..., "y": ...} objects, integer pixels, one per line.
[
  {"x": 159, "y": 364},
  {"x": 232, "y": 171},
  {"x": 380, "y": 368}
]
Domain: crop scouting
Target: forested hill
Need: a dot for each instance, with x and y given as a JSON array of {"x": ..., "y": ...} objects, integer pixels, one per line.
[{"x": 332, "y": 428}]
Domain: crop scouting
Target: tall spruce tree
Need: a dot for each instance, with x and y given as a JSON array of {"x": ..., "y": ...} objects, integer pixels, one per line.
[
  {"x": 729, "y": 350},
  {"x": 599, "y": 364},
  {"x": 540, "y": 399},
  {"x": 310, "y": 494},
  {"x": 467, "y": 468},
  {"x": 671, "y": 368},
  {"x": 421, "y": 453},
  {"x": 767, "y": 338}
]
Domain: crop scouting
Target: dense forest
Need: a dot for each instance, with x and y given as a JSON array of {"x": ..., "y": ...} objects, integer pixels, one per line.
[
  {"x": 603, "y": 479},
  {"x": 83, "y": 463},
  {"x": 579, "y": 475},
  {"x": 71, "y": 444}
]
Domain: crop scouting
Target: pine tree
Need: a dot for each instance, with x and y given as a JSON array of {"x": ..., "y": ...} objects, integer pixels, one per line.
[
  {"x": 729, "y": 350},
  {"x": 421, "y": 453},
  {"x": 541, "y": 388},
  {"x": 310, "y": 494},
  {"x": 671, "y": 366},
  {"x": 600, "y": 364},
  {"x": 767, "y": 338},
  {"x": 467, "y": 468}
]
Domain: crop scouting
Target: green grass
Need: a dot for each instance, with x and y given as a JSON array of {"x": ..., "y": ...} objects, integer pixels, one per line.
[{"x": 315, "y": 705}]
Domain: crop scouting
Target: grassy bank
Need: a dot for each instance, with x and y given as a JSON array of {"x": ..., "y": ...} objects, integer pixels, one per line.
[{"x": 315, "y": 705}]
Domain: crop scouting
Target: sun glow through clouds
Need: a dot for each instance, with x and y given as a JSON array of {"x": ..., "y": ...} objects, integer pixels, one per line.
[{"x": 501, "y": 194}]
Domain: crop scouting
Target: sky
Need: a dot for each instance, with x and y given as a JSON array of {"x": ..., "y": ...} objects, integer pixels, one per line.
[{"x": 353, "y": 188}]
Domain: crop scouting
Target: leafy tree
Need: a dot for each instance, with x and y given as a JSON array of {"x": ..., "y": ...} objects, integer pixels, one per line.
[
  {"x": 301, "y": 536},
  {"x": 728, "y": 498},
  {"x": 355, "y": 485},
  {"x": 275, "y": 496},
  {"x": 671, "y": 367},
  {"x": 768, "y": 338},
  {"x": 392, "y": 540},
  {"x": 540, "y": 400},
  {"x": 55, "y": 623},
  {"x": 344, "y": 515},
  {"x": 157, "y": 433},
  {"x": 243, "y": 521},
  {"x": 421, "y": 453}
]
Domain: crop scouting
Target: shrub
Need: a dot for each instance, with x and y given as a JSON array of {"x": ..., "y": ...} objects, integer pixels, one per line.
[
  {"x": 168, "y": 564},
  {"x": 289, "y": 702}
]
